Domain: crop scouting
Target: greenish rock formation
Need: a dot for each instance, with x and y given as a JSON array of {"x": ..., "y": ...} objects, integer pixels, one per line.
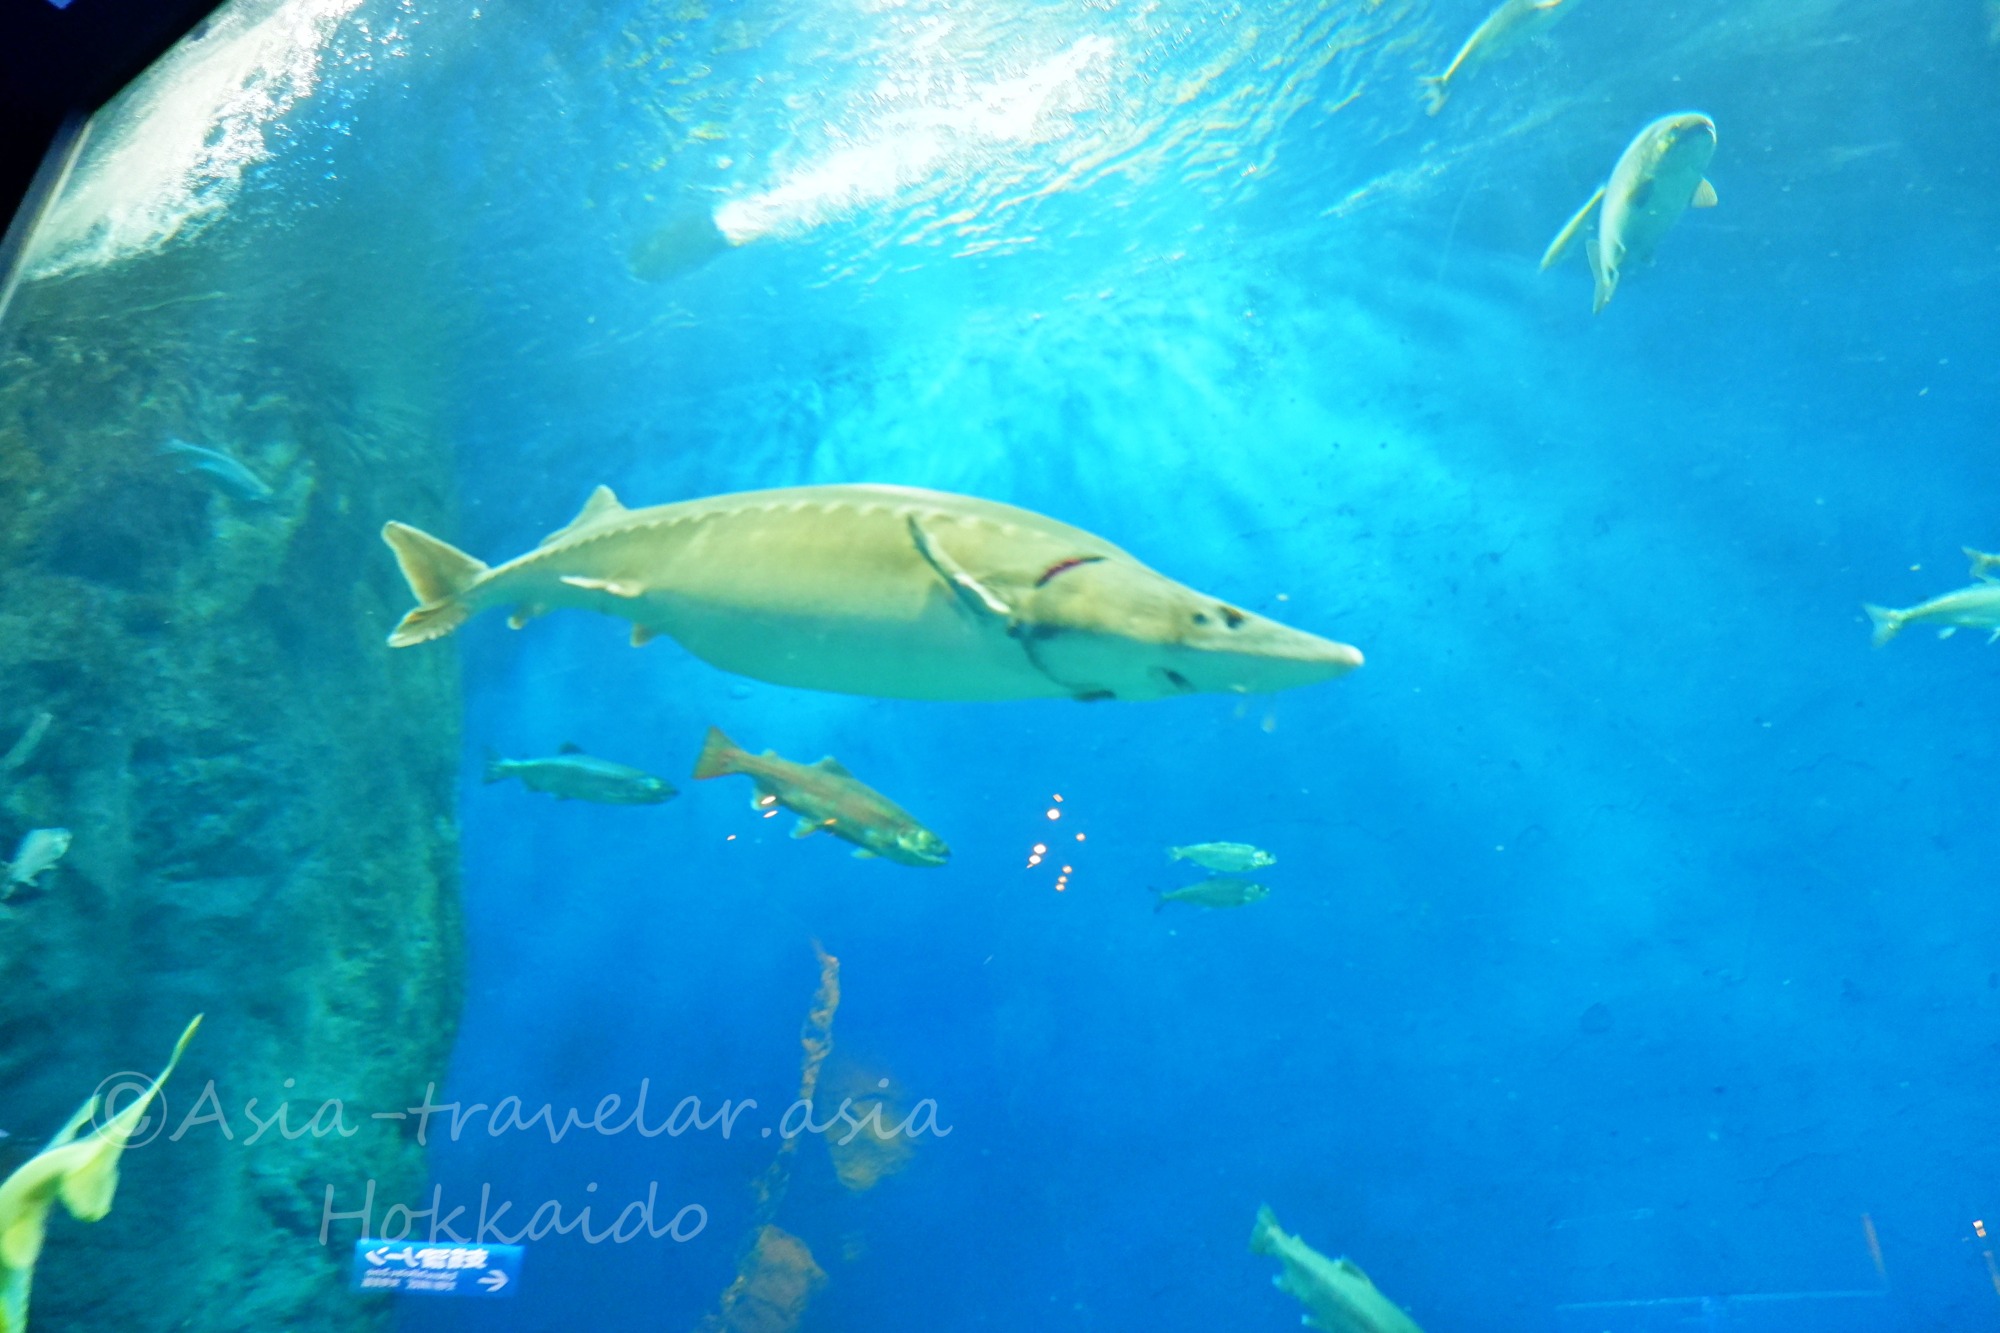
[{"x": 261, "y": 793}]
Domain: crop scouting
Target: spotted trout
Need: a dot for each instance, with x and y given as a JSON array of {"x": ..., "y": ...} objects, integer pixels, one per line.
[{"x": 826, "y": 798}]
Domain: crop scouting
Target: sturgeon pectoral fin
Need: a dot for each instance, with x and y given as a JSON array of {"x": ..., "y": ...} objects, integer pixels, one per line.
[
  {"x": 642, "y": 635},
  {"x": 968, "y": 589},
  {"x": 523, "y": 614},
  {"x": 805, "y": 828},
  {"x": 863, "y": 854},
  {"x": 1704, "y": 195},
  {"x": 1570, "y": 229},
  {"x": 616, "y": 587}
]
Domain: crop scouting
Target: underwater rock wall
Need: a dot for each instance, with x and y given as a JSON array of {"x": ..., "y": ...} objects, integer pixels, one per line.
[{"x": 260, "y": 793}]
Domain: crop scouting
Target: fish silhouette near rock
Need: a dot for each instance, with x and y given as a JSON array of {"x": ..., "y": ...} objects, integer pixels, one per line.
[
  {"x": 572, "y": 775},
  {"x": 224, "y": 471},
  {"x": 1657, "y": 178},
  {"x": 39, "y": 852},
  {"x": 877, "y": 590}
]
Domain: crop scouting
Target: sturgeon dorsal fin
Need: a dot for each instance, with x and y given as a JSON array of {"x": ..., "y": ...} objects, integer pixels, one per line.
[
  {"x": 833, "y": 766},
  {"x": 1704, "y": 195},
  {"x": 969, "y": 590},
  {"x": 569, "y": 747},
  {"x": 1352, "y": 1269},
  {"x": 1571, "y": 228},
  {"x": 601, "y": 505}
]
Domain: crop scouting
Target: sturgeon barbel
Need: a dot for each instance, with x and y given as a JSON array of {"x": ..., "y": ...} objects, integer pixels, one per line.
[{"x": 887, "y": 591}]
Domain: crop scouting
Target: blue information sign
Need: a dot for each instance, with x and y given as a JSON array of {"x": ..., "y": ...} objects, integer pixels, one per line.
[{"x": 439, "y": 1268}]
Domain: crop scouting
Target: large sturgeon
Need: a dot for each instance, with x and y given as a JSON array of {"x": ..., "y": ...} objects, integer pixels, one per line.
[{"x": 876, "y": 590}]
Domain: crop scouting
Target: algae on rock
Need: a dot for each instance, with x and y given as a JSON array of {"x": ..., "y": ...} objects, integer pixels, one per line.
[{"x": 261, "y": 794}]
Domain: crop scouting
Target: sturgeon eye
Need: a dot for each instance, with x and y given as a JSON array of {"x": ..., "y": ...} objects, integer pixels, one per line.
[{"x": 1232, "y": 618}]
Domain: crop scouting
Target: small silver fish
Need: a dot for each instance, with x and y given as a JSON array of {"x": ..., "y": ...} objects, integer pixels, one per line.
[
  {"x": 39, "y": 851},
  {"x": 1219, "y": 891},
  {"x": 1228, "y": 857},
  {"x": 1975, "y": 606},
  {"x": 225, "y": 470},
  {"x": 572, "y": 775},
  {"x": 1506, "y": 27}
]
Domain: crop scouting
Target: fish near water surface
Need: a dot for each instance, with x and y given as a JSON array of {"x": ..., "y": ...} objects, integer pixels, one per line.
[
  {"x": 1338, "y": 1296},
  {"x": 1659, "y": 176},
  {"x": 80, "y": 1169},
  {"x": 826, "y": 797},
  {"x": 886, "y": 591},
  {"x": 1975, "y": 606},
  {"x": 1512, "y": 23},
  {"x": 572, "y": 775},
  {"x": 1228, "y": 857},
  {"x": 1217, "y": 891}
]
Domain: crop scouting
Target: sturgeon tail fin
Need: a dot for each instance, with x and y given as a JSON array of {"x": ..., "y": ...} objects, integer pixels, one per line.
[
  {"x": 718, "y": 756},
  {"x": 1437, "y": 87},
  {"x": 1983, "y": 565},
  {"x": 1887, "y": 623},
  {"x": 439, "y": 575},
  {"x": 1265, "y": 1229}
]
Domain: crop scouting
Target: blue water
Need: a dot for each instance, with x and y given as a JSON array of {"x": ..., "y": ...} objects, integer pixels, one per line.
[{"x": 1630, "y": 951}]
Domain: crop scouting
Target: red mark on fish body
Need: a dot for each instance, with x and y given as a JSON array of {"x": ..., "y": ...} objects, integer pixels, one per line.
[{"x": 1061, "y": 566}]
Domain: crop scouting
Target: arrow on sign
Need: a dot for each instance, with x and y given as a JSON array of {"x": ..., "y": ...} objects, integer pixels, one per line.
[{"x": 493, "y": 1281}]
